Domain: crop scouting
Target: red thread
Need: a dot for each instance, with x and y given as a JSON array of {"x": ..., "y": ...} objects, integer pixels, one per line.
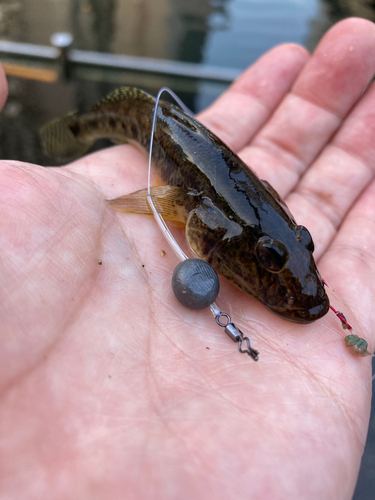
[
  {"x": 338, "y": 314},
  {"x": 341, "y": 318}
]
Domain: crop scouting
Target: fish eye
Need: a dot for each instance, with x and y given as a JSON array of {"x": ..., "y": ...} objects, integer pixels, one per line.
[
  {"x": 272, "y": 254},
  {"x": 303, "y": 235}
]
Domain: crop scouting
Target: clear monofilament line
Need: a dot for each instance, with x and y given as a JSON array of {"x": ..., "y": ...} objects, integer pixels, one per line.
[
  {"x": 186, "y": 109},
  {"x": 166, "y": 232},
  {"x": 159, "y": 219},
  {"x": 230, "y": 329}
]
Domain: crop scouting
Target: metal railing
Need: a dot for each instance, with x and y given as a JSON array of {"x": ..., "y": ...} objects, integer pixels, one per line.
[{"x": 61, "y": 51}]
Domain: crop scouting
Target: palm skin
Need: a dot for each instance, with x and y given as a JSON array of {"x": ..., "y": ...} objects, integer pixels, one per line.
[{"x": 111, "y": 389}]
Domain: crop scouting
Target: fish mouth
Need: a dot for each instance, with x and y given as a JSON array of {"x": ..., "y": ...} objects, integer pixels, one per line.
[
  {"x": 301, "y": 314},
  {"x": 304, "y": 303}
]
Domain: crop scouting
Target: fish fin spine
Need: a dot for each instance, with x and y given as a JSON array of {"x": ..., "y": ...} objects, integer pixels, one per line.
[{"x": 168, "y": 201}]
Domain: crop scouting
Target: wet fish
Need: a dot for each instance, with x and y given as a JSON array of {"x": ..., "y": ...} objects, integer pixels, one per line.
[{"x": 234, "y": 221}]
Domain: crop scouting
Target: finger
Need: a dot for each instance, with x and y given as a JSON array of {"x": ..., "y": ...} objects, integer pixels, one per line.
[
  {"x": 329, "y": 85},
  {"x": 249, "y": 102},
  {"x": 3, "y": 88},
  {"x": 349, "y": 264},
  {"x": 340, "y": 174}
]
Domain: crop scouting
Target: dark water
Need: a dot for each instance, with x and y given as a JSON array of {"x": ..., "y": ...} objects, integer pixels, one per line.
[{"x": 216, "y": 32}]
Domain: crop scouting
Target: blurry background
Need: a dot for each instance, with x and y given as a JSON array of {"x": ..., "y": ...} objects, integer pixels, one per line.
[{"x": 222, "y": 33}]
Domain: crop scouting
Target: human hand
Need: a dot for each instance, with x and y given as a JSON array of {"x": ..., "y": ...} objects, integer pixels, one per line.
[{"x": 111, "y": 389}]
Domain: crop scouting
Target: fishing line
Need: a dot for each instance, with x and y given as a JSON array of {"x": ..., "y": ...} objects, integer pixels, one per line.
[
  {"x": 356, "y": 344},
  {"x": 194, "y": 281}
]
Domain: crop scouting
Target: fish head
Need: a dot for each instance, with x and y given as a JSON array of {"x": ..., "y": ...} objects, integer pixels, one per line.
[
  {"x": 294, "y": 289},
  {"x": 278, "y": 270}
]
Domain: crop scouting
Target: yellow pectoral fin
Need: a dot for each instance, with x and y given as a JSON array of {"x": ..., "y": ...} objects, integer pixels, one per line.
[{"x": 169, "y": 201}]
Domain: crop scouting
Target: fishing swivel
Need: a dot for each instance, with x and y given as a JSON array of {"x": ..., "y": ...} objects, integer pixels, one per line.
[
  {"x": 236, "y": 335},
  {"x": 196, "y": 286}
]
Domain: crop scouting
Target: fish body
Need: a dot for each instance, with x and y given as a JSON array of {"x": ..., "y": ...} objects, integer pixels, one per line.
[{"x": 234, "y": 221}]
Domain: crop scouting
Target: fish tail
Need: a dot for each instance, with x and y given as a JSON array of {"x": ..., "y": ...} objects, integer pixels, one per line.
[
  {"x": 123, "y": 115},
  {"x": 58, "y": 140}
]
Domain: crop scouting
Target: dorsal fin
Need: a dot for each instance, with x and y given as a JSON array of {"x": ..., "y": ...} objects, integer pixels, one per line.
[{"x": 122, "y": 94}]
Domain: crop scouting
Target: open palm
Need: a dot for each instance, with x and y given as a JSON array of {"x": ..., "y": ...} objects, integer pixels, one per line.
[{"x": 110, "y": 389}]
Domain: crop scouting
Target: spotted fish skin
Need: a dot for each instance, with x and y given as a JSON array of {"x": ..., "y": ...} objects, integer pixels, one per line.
[{"x": 234, "y": 221}]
